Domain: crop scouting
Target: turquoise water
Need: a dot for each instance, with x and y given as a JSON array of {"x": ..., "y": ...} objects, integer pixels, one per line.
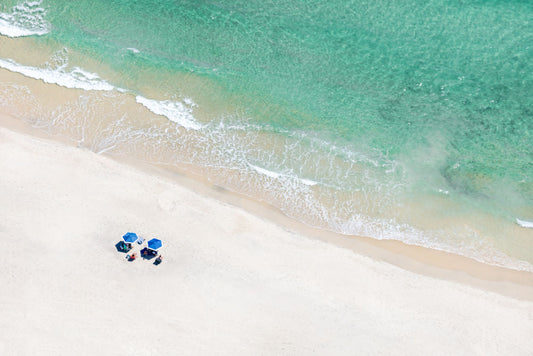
[{"x": 375, "y": 106}]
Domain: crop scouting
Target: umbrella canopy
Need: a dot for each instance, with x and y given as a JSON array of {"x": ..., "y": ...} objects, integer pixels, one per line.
[
  {"x": 154, "y": 244},
  {"x": 130, "y": 237}
]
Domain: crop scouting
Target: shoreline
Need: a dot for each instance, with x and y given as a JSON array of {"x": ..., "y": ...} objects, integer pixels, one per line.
[
  {"x": 417, "y": 259},
  {"x": 47, "y": 95},
  {"x": 232, "y": 281}
]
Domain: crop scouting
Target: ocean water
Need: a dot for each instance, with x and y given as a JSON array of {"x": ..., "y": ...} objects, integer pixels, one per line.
[{"x": 408, "y": 120}]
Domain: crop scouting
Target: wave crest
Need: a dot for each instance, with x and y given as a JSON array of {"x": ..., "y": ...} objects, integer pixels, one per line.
[
  {"x": 77, "y": 78},
  {"x": 178, "y": 112},
  {"x": 26, "y": 19},
  {"x": 524, "y": 223}
]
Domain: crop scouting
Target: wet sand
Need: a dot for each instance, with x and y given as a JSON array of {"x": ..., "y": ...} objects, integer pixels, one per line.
[{"x": 237, "y": 277}]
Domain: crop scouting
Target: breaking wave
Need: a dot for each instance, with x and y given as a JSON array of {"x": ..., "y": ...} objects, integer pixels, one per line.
[
  {"x": 26, "y": 19},
  {"x": 178, "y": 112},
  {"x": 75, "y": 78}
]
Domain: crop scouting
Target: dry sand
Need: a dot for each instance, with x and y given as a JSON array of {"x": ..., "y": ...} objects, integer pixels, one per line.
[{"x": 230, "y": 283}]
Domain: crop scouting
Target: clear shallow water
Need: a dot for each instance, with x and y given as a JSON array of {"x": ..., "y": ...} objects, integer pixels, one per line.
[{"x": 410, "y": 119}]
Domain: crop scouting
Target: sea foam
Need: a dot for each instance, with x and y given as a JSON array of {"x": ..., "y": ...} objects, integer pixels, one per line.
[
  {"x": 26, "y": 19},
  {"x": 277, "y": 175},
  {"x": 175, "y": 111},
  {"x": 76, "y": 78},
  {"x": 524, "y": 223},
  {"x": 265, "y": 172}
]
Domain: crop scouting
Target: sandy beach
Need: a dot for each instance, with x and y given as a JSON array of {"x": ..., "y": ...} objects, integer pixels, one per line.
[{"x": 231, "y": 283}]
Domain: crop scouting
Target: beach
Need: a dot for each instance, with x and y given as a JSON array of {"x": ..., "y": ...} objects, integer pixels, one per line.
[
  {"x": 334, "y": 113},
  {"x": 327, "y": 178},
  {"x": 232, "y": 282}
]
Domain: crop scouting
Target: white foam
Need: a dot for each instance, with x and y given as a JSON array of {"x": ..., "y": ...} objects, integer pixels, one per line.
[
  {"x": 175, "y": 111},
  {"x": 189, "y": 102},
  {"x": 77, "y": 78},
  {"x": 26, "y": 19},
  {"x": 308, "y": 182},
  {"x": 266, "y": 172},
  {"x": 133, "y": 50},
  {"x": 524, "y": 223},
  {"x": 277, "y": 175}
]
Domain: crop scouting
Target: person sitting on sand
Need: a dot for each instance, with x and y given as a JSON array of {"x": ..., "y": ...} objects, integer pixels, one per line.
[{"x": 133, "y": 256}]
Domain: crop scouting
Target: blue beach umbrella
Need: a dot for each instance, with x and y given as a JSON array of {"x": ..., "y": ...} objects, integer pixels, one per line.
[
  {"x": 130, "y": 237},
  {"x": 154, "y": 244}
]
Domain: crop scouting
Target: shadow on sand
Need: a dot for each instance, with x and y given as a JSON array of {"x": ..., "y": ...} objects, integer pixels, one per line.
[
  {"x": 148, "y": 254},
  {"x": 121, "y": 246}
]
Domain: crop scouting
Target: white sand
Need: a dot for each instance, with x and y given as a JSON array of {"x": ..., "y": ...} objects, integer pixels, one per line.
[{"x": 230, "y": 283}]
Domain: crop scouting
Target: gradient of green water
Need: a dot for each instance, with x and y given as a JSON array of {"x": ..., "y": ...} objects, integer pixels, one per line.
[
  {"x": 399, "y": 77},
  {"x": 435, "y": 95}
]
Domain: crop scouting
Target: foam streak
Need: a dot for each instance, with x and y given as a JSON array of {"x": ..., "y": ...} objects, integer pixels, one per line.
[
  {"x": 173, "y": 110},
  {"x": 524, "y": 223},
  {"x": 26, "y": 19},
  {"x": 75, "y": 79}
]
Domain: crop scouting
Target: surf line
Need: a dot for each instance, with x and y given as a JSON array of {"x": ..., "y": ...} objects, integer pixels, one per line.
[{"x": 524, "y": 223}]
